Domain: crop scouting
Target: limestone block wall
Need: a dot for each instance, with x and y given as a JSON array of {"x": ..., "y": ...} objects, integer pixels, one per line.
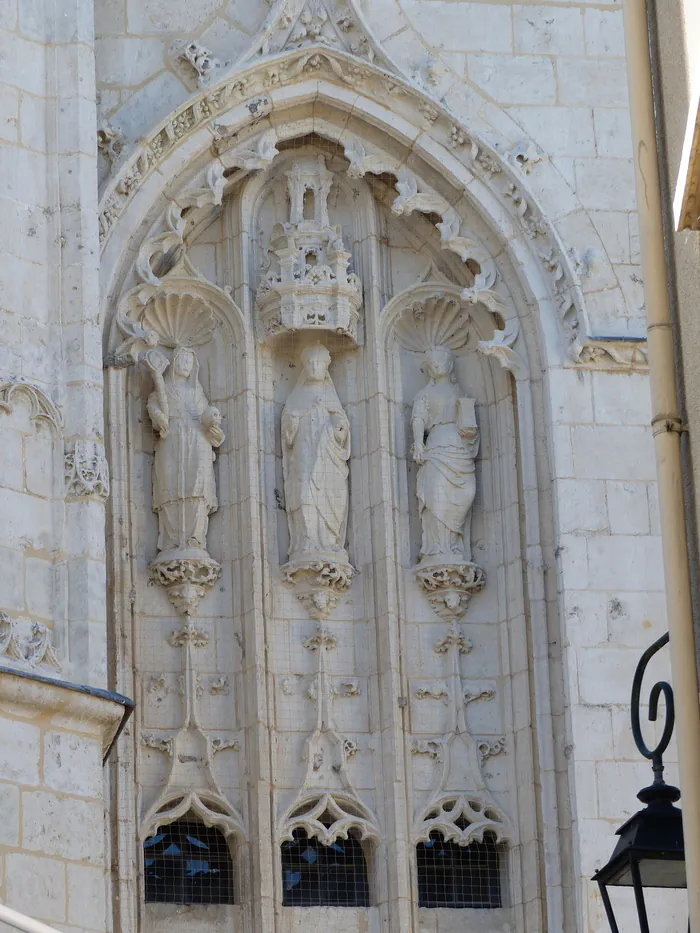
[
  {"x": 52, "y": 540},
  {"x": 612, "y": 599},
  {"x": 53, "y": 472},
  {"x": 52, "y": 842}
]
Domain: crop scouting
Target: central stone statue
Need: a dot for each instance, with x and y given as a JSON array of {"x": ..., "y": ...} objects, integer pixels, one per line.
[{"x": 315, "y": 452}]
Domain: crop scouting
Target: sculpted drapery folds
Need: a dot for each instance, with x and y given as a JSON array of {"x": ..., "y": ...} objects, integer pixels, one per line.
[
  {"x": 316, "y": 449},
  {"x": 188, "y": 428},
  {"x": 446, "y": 442}
]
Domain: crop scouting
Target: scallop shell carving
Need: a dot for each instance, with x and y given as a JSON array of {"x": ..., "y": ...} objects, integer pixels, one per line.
[
  {"x": 438, "y": 321},
  {"x": 180, "y": 318}
]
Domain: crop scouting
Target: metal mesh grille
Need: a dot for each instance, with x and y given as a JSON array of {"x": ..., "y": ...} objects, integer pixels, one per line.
[
  {"x": 188, "y": 863},
  {"x": 315, "y": 875},
  {"x": 450, "y": 875}
]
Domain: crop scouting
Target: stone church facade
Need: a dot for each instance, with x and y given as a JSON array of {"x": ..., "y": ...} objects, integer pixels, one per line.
[{"x": 324, "y": 446}]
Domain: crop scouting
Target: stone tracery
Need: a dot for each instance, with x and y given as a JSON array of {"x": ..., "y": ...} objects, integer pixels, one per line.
[{"x": 480, "y": 320}]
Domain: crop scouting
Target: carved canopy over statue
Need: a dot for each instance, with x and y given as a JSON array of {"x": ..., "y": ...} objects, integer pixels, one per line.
[
  {"x": 316, "y": 449},
  {"x": 188, "y": 427},
  {"x": 446, "y": 442}
]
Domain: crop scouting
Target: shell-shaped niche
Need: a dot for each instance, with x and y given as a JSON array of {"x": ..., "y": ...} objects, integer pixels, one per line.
[
  {"x": 180, "y": 318},
  {"x": 439, "y": 320}
]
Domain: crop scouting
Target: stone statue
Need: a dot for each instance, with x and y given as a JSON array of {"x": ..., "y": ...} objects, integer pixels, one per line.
[
  {"x": 316, "y": 449},
  {"x": 188, "y": 427},
  {"x": 445, "y": 443}
]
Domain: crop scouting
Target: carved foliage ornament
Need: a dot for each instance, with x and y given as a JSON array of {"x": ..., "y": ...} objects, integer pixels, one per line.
[
  {"x": 191, "y": 751},
  {"x": 460, "y": 807},
  {"x": 86, "y": 471},
  {"x": 27, "y": 644}
]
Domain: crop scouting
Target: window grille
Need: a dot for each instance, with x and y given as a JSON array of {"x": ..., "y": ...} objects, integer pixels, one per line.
[
  {"x": 186, "y": 862},
  {"x": 318, "y": 875},
  {"x": 450, "y": 875}
]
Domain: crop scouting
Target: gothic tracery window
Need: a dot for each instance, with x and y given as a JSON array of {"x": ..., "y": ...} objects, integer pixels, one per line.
[
  {"x": 186, "y": 862},
  {"x": 459, "y": 876},
  {"x": 319, "y": 875}
]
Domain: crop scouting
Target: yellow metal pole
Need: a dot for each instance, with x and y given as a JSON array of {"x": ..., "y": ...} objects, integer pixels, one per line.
[{"x": 666, "y": 425}]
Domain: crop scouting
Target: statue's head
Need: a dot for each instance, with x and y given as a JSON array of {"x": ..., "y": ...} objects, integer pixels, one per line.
[
  {"x": 183, "y": 363},
  {"x": 316, "y": 359},
  {"x": 439, "y": 361}
]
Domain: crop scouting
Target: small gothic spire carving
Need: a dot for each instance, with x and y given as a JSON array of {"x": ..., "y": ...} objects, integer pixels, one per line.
[{"x": 310, "y": 285}]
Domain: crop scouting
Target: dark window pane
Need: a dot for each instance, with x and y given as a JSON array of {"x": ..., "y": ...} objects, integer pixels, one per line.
[
  {"x": 314, "y": 875},
  {"x": 188, "y": 863},
  {"x": 450, "y": 875}
]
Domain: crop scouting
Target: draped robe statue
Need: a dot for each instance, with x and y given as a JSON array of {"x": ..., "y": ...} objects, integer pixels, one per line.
[
  {"x": 184, "y": 489},
  {"x": 446, "y": 441},
  {"x": 316, "y": 449}
]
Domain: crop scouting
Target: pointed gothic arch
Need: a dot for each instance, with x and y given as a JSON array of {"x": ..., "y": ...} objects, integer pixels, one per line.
[{"x": 527, "y": 309}]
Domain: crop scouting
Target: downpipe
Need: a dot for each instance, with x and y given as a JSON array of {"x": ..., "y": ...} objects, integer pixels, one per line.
[{"x": 667, "y": 428}]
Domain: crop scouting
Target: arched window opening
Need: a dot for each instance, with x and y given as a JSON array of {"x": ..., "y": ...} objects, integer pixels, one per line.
[
  {"x": 450, "y": 875},
  {"x": 309, "y": 204},
  {"x": 187, "y": 862},
  {"x": 318, "y": 875}
]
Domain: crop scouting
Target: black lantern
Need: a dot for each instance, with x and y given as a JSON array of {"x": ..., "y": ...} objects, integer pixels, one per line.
[{"x": 650, "y": 851}]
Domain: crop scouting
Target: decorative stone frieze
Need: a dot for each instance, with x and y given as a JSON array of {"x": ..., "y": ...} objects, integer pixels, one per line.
[
  {"x": 86, "y": 471},
  {"x": 615, "y": 353}
]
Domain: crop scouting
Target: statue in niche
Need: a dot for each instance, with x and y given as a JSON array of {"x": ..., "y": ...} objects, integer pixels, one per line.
[
  {"x": 189, "y": 428},
  {"x": 445, "y": 444},
  {"x": 316, "y": 449}
]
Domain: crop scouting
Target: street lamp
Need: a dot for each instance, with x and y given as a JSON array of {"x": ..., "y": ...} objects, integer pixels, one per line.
[{"x": 650, "y": 851}]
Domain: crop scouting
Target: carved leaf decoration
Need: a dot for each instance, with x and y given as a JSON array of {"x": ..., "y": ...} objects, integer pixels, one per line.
[
  {"x": 180, "y": 318},
  {"x": 438, "y": 321}
]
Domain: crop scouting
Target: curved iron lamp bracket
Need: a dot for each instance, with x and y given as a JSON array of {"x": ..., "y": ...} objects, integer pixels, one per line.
[{"x": 655, "y": 755}]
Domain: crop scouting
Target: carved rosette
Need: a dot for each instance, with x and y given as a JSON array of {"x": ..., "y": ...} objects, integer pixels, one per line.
[
  {"x": 449, "y": 587},
  {"x": 320, "y": 584},
  {"x": 186, "y": 580}
]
